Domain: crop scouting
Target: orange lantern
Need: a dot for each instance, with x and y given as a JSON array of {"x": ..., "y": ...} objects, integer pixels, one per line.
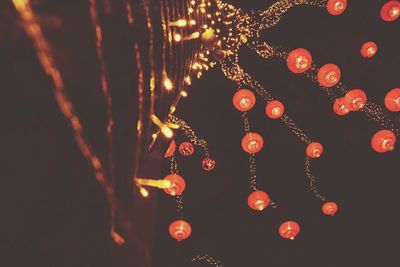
[
  {"x": 180, "y": 230},
  {"x": 329, "y": 75},
  {"x": 186, "y": 149},
  {"x": 299, "y": 60},
  {"x": 330, "y": 208},
  {"x": 392, "y": 100},
  {"x": 369, "y": 49},
  {"x": 274, "y": 109},
  {"x": 171, "y": 149},
  {"x": 383, "y": 141},
  {"x": 336, "y": 7},
  {"x": 252, "y": 143},
  {"x": 390, "y": 11},
  {"x": 177, "y": 184},
  {"x": 258, "y": 200},
  {"x": 289, "y": 230},
  {"x": 208, "y": 164},
  {"x": 355, "y": 99},
  {"x": 314, "y": 150},
  {"x": 244, "y": 100},
  {"x": 340, "y": 107}
]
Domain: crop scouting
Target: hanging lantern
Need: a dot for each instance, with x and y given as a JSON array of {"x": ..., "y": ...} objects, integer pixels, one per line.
[
  {"x": 299, "y": 60},
  {"x": 252, "y": 143},
  {"x": 369, "y": 49},
  {"x": 258, "y": 200},
  {"x": 208, "y": 164},
  {"x": 314, "y": 150},
  {"x": 186, "y": 149},
  {"x": 180, "y": 230},
  {"x": 171, "y": 149},
  {"x": 329, "y": 75},
  {"x": 390, "y": 11},
  {"x": 244, "y": 100},
  {"x": 177, "y": 184},
  {"x": 383, "y": 141},
  {"x": 336, "y": 7},
  {"x": 392, "y": 100},
  {"x": 355, "y": 99},
  {"x": 274, "y": 109},
  {"x": 340, "y": 107},
  {"x": 289, "y": 230},
  {"x": 330, "y": 208}
]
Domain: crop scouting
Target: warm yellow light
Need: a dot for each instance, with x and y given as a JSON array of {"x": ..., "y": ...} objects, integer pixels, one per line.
[
  {"x": 194, "y": 35},
  {"x": 168, "y": 84},
  {"x": 192, "y": 22},
  {"x": 144, "y": 192},
  {"x": 172, "y": 109},
  {"x": 162, "y": 184},
  {"x": 188, "y": 80},
  {"x": 166, "y": 131},
  {"x": 177, "y": 37},
  {"x": 184, "y": 94},
  {"x": 178, "y": 23}
]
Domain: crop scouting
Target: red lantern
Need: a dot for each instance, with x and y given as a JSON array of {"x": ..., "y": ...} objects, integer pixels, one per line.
[
  {"x": 258, "y": 200},
  {"x": 299, "y": 60},
  {"x": 330, "y": 208},
  {"x": 383, "y": 141},
  {"x": 171, "y": 149},
  {"x": 208, "y": 164},
  {"x": 180, "y": 230},
  {"x": 186, "y": 149},
  {"x": 340, "y": 107},
  {"x": 244, "y": 100},
  {"x": 336, "y": 7},
  {"x": 369, "y": 49},
  {"x": 252, "y": 143},
  {"x": 392, "y": 100},
  {"x": 274, "y": 109},
  {"x": 289, "y": 230},
  {"x": 390, "y": 11},
  {"x": 177, "y": 185},
  {"x": 314, "y": 150},
  {"x": 329, "y": 75},
  {"x": 355, "y": 99}
]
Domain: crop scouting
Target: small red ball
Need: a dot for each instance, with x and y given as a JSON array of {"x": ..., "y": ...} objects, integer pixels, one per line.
[
  {"x": 208, "y": 164},
  {"x": 186, "y": 149},
  {"x": 383, "y": 141},
  {"x": 369, "y": 49},
  {"x": 299, "y": 60},
  {"x": 390, "y": 11},
  {"x": 314, "y": 150},
  {"x": 244, "y": 100},
  {"x": 171, "y": 149},
  {"x": 329, "y": 75},
  {"x": 289, "y": 230},
  {"x": 180, "y": 230},
  {"x": 252, "y": 143},
  {"x": 330, "y": 208},
  {"x": 392, "y": 100},
  {"x": 274, "y": 109},
  {"x": 258, "y": 200},
  {"x": 336, "y": 7},
  {"x": 340, "y": 107},
  {"x": 355, "y": 99},
  {"x": 178, "y": 185}
]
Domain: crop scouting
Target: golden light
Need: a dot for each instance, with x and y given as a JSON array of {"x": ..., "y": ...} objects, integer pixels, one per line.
[
  {"x": 177, "y": 37},
  {"x": 178, "y": 23},
  {"x": 168, "y": 84},
  {"x": 144, "y": 192},
  {"x": 162, "y": 184},
  {"x": 184, "y": 94},
  {"x": 166, "y": 131}
]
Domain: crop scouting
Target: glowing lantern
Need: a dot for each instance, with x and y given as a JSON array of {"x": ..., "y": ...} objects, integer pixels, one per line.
[
  {"x": 383, "y": 141},
  {"x": 340, "y": 107},
  {"x": 258, "y": 200},
  {"x": 336, "y": 7},
  {"x": 369, "y": 49},
  {"x": 392, "y": 100},
  {"x": 208, "y": 164},
  {"x": 299, "y": 60},
  {"x": 329, "y": 75},
  {"x": 180, "y": 230},
  {"x": 314, "y": 150},
  {"x": 289, "y": 230},
  {"x": 274, "y": 109},
  {"x": 171, "y": 149},
  {"x": 244, "y": 100},
  {"x": 355, "y": 99},
  {"x": 390, "y": 11},
  {"x": 186, "y": 149},
  {"x": 330, "y": 208},
  {"x": 252, "y": 143},
  {"x": 177, "y": 185}
]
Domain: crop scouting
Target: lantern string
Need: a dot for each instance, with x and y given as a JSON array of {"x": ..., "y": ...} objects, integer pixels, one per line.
[
  {"x": 174, "y": 170},
  {"x": 313, "y": 180},
  {"x": 206, "y": 258}
]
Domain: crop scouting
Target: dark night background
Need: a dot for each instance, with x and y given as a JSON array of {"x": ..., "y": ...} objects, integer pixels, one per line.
[{"x": 53, "y": 213}]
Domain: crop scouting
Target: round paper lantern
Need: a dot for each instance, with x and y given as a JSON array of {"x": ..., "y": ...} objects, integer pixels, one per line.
[
  {"x": 329, "y": 75},
  {"x": 392, "y": 100},
  {"x": 289, "y": 230},
  {"x": 177, "y": 185},
  {"x": 336, "y": 7},
  {"x": 252, "y": 143},
  {"x": 171, "y": 149},
  {"x": 390, "y": 11},
  {"x": 299, "y": 60},
  {"x": 258, "y": 200},
  {"x": 340, "y": 107},
  {"x": 244, "y": 100},
  {"x": 383, "y": 141},
  {"x": 355, "y": 99},
  {"x": 314, "y": 150},
  {"x": 274, "y": 109},
  {"x": 180, "y": 230},
  {"x": 208, "y": 164},
  {"x": 369, "y": 49},
  {"x": 186, "y": 149},
  {"x": 330, "y": 208}
]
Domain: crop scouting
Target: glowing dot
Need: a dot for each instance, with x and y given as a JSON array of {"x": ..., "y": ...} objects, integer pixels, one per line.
[
  {"x": 168, "y": 84},
  {"x": 184, "y": 94},
  {"x": 167, "y": 132},
  {"x": 144, "y": 192},
  {"x": 177, "y": 37}
]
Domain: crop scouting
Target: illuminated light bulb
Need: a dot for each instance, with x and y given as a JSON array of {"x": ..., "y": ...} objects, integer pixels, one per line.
[
  {"x": 299, "y": 60},
  {"x": 336, "y": 7},
  {"x": 392, "y": 100},
  {"x": 383, "y": 141},
  {"x": 177, "y": 37},
  {"x": 180, "y": 230},
  {"x": 369, "y": 49},
  {"x": 258, "y": 200},
  {"x": 330, "y": 208},
  {"x": 179, "y": 23},
  {"x": 190, "y": 10},
  {"x": 168, "y": 84},
  {"x": 154, "y": 135},
  {"x": 186, "y": 149},
  {"x": 166, "y": 131},
  {"x": 192, "y": 22},
  {"x": 329, "y": 75},
  {"x": 355, "y": 99},
  {"x": 314, "y": 150},
  {"x": 188, "y": 80},
  {"x": 144, "y": 192},
  {"x": 244, "y": 100},
  {"x": 252, "y": 143},
  {"x": 192, "y": 2},
  {"x": 289, "y": 230},
  {"x": 340, "y": 107},
  {"x": 184, "y": 94},
  {"x": 177, "y": 184},
  {"x": 274, "y": 109},
  {"x": 194, "y": 35},
  {"x": 390, "y": 11},
  {"x": 172, "y": 109}
]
